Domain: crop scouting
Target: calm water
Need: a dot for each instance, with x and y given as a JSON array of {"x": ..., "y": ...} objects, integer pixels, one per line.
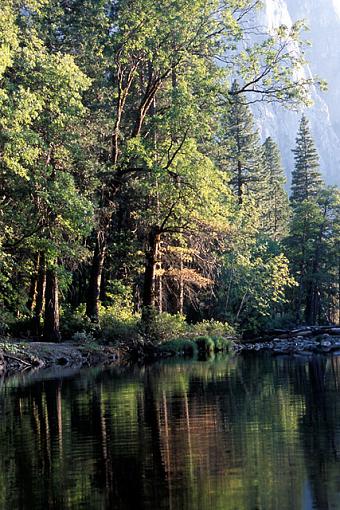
[{"x": 238, "y": 434}]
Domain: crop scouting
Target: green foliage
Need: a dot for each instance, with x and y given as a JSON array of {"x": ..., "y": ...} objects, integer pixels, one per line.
[
  {"x": 179, "y": 347},
  {"x": 205, "y": 344},
  {"x": 192, "y": 346},
  {"x": 275, "y": 198},
  {"x": 212, "y": 328},
  {"x": 74, "y": 322},
  {"x": 306, "y": 178},
  {"x": 242, "y": 148},
  {"x": 165, "y": 326},
  {"x": 213, "y": 344},
  {"x": 117, "y": 323},
  {"x": 222, "y": 344},
  {"x": 313, "y": 250},
  {"x": 124, "y": 150},
  {"x": 123, "y": 327}
]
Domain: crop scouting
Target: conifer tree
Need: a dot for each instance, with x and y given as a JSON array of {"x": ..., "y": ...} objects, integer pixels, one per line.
[
  {"x": 306, "y": 178},
  {"x": 313, "y": 235},
  {"x": 242, "y": 143},
  {"x": 276, "y": 200}
]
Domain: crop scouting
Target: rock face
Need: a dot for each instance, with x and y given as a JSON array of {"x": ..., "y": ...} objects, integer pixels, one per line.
[{"x": 323, "y": 18}]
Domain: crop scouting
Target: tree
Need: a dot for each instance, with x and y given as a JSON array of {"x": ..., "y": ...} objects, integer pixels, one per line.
[
  {"x": 114, "y": 162},
  {"x": 145, "y": 47},
  {"x": 276, "y": 201},
  {"x": 241, "y": 142},
  {"x": 313, "y": 234},
  {"x": 254, "y": 275},
  {"x": 41, "y": 145},
  {"x": 312, "y": 246},
  {"x": 306, "y": 178}
]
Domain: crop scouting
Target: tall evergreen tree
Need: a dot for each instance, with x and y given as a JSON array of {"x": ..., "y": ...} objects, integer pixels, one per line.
[
  {"x": 313, "y": 253},
  {"x": 312, "y": 243},
  {"x": 242, "y": 145},
  {"x": 276, "y": 200},
  {"x": 306, "y": 178}
]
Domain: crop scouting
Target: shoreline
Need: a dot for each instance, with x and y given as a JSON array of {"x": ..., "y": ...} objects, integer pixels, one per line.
[
  {"x": 17, "y": 356},
  {"x": 304, "y": 340}
]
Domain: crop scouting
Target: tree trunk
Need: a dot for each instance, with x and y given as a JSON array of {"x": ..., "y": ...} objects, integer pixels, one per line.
[
  {"x": 311, "y": 310},
  {"x": 239, "y": 182},
  {"x": 51, "y": 322},
  {"x": 40, "y": 294},
  {"x": 181, "y": 288},
  {"x": 151, "y": 260},
  {"x": 92, "y": 304},
  {"x": 160, "y": 293},
  {"x": 32, "y": 293}
]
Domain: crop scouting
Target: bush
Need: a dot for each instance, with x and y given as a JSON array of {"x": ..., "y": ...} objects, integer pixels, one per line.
[
  {"x": 205, "y": 344},
  {"x": 212, "y": 328},
  {"x": 163, "y": 327},
  {"x": 22, "y": 327},
  {"x": 115, "y": 325},
  {"x": 179, "y": 346},
  {"x": 222, "y": 344},
  {"x": 119, "y": 324},
  {"x": 82, "y": 337},
  {"x": 114, "y": 330},
  {"x": 4, "y": 328},
  {"x": 74, "y": 321}
]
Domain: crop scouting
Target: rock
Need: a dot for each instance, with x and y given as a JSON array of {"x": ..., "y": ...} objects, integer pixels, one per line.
[{"x": 304, "y": 340}]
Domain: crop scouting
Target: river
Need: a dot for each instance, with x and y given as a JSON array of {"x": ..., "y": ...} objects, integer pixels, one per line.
[{"x": 238, "y": 433}]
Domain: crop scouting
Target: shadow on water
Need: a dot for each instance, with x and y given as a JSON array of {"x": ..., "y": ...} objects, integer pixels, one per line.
[{"x": 246, "y": 433}]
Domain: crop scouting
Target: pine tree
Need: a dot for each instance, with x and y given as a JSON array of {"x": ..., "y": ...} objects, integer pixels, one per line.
[
  {"x": 313, "y": 252},
  {"x": 276, "y": 201},
  {"x": 306, "y": 178},
  {"x": 242, "y": 143},
  {"x": 312, "y": 239}
]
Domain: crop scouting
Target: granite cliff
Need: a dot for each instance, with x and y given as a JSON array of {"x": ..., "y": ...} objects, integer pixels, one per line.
[{"x": 323, "y": 19}]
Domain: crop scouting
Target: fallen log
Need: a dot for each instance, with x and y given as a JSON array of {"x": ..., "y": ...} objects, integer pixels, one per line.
[{"x": 19, "y": 360}]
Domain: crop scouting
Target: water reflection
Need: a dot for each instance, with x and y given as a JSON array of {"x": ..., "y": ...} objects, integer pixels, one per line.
[{"x": 232, "y": 434}]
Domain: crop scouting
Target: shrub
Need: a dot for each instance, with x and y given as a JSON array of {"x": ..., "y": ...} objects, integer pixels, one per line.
[
  {"x": 82, "y": 337},
  {"x": 73, "y": 322},
  {"x": 222, "y": 344},
  {"x": 4, "y": 328},
  {"x": 20, "y": 327},
  {"x": 205, "y": 344},
  {"x": 212, "y": 328},
  {"x": 118, "y": 322},
  {"x": 164, "y": 326},
  {"x": 179, "y": 346},
  {"x": 114, "y": 330}
]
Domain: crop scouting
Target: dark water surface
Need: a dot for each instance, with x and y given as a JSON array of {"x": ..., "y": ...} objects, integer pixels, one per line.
[{"x": 230, "y": 434}]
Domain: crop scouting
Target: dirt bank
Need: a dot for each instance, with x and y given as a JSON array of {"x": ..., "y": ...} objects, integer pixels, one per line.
[{"x": 16, "y": 356}]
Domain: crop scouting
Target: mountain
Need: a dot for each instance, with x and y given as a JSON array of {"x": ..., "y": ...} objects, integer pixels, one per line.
[{"x": 323, "y": 19}]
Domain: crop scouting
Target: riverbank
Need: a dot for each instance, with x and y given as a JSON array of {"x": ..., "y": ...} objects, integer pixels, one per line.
[
  {"x": 312, "y": 339},
  {"x": 17, "y": 356}
]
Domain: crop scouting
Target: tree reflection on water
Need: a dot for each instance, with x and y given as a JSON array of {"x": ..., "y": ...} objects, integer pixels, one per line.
[{"x": 231, "y": 433}]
